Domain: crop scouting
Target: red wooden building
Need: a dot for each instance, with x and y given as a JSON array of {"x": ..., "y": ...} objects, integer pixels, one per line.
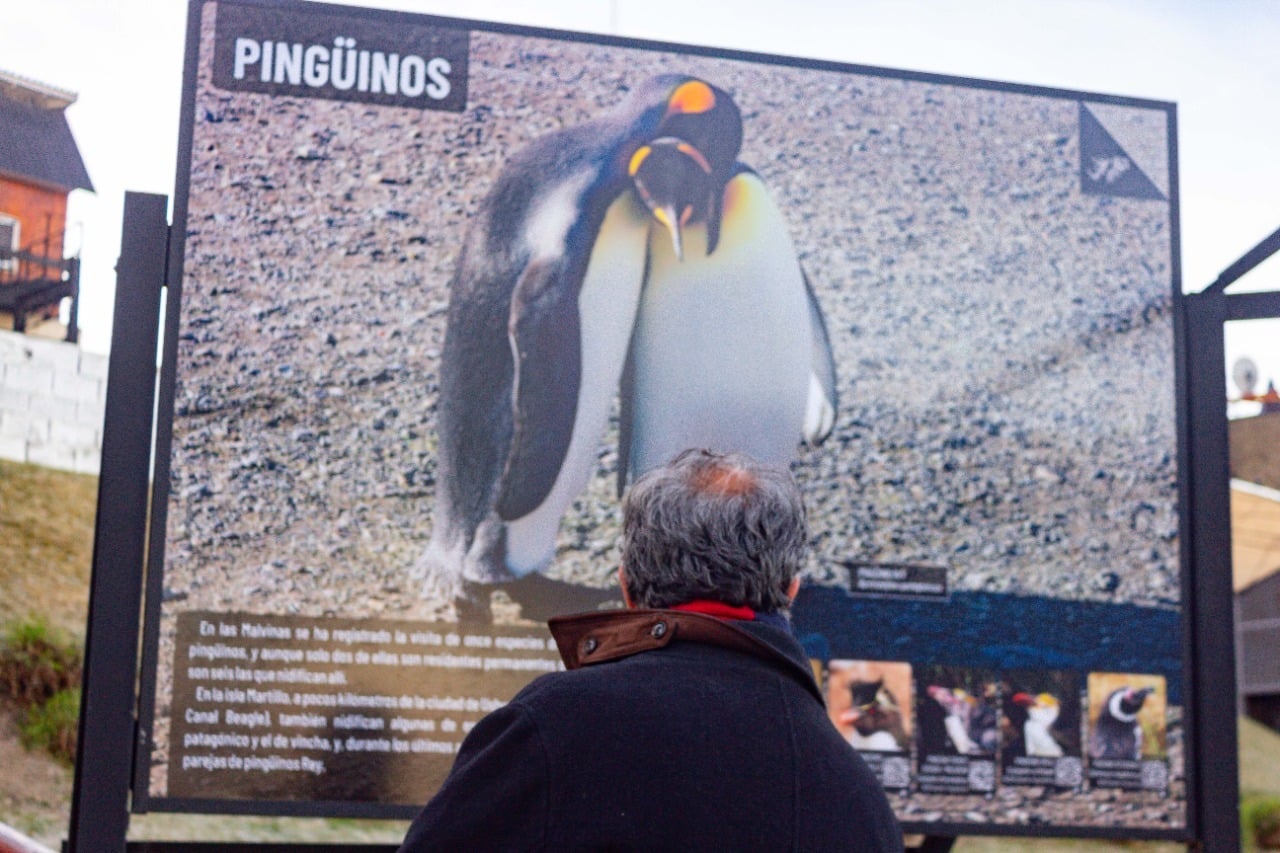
[{"x": 39, "y": 167}]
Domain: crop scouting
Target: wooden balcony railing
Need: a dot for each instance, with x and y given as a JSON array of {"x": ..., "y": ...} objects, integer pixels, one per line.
[{"x": 33, "y": 284}]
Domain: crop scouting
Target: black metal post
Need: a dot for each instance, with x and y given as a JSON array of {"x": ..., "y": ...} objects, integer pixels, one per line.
[
  {"x": 100, "y": 798},
  {"x": 73, "y": 316},
  {"x": 1247, "y": 262},
  {"x": 1213, "y": 763},
  {"x": 1252, "y": 306}
]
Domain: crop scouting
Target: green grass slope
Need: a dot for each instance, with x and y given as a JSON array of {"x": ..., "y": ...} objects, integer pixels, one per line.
[
  {"x": 46, "y": 544},
  {"x": 1259, "y": 757}
]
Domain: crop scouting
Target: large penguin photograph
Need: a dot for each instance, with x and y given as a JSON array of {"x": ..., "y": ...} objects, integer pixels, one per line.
[
  {"x": 420, "y": 354},
  {"x": 632, "y": 257}
]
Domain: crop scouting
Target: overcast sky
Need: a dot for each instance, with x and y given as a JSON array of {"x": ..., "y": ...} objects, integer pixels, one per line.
[{"x": 1218, "y": 61}]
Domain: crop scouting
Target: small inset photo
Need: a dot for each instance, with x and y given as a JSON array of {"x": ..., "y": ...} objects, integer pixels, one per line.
[
  {"x": 869, "y": 702},
  {"x": 1127, "y": 742},
  {"x": 1040, "y": 729},
  {"x": 958, "y": 709},
  {"x": 958, "y": 713}
]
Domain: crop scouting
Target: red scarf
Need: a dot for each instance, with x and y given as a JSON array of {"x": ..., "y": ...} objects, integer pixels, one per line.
[{"x": 718, "y": 609}]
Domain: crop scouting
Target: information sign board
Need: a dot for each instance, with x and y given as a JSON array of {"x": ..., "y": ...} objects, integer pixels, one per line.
[{"x": 447, "y": 288}]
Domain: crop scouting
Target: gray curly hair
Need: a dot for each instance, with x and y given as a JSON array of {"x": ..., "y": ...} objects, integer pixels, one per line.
[{"x": 718, "y": 526}]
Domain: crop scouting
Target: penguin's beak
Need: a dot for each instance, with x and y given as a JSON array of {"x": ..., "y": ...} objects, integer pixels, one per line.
[{"x": 671, "y": 219}]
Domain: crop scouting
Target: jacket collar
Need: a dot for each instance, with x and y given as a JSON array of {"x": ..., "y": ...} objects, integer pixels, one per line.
[{"x": 586, "y": 639}]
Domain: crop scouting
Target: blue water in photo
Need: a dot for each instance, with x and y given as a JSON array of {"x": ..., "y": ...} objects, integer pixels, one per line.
[{"x": 993, "y": 631}]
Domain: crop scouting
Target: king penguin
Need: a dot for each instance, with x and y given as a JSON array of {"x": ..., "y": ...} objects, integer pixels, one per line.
[
  {"x": 553, "y": 299},
  {"x": 730, "y": 351}
]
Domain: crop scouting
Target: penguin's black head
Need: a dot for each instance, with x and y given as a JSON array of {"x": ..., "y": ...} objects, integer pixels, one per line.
[
  {"x": 675, "y": 181},
  {"x": 1133, "y": 699},
  {"x": 681, "y": 165},
  {"x": 707, "y": 118}
]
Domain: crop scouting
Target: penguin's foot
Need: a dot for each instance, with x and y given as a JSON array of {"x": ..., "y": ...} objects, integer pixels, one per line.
[
  {"x": 445, "y": 568},
  {"x": 440, "y": 577}
]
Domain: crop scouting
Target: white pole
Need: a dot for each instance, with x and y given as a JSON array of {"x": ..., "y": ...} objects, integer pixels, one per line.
[{"x": 12, "y": 840}]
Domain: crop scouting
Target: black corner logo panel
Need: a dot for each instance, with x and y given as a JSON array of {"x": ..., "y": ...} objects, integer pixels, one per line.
[
  {"x": 1106, "y": 168},
  {"x": 340, "y": 57}
]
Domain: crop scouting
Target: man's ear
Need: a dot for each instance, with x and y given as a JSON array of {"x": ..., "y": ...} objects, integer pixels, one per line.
[
  {"x": 622, "y": 582},
  {"x": 794, "y": 589}
]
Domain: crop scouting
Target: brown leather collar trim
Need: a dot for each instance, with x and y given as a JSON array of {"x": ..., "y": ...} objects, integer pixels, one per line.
[{"x": 591, "y": 638}]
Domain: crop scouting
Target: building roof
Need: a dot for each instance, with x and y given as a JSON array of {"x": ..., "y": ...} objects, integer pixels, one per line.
[
  {"x": 1255, "y": 449},
  {"x": 35, "y": 140},
  {"x": 34, "y": 92},
  {"x": 1255, "y": 533}
]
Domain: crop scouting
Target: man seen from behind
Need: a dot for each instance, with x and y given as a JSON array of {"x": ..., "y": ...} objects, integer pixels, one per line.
[{"x": 690, "y": 721}]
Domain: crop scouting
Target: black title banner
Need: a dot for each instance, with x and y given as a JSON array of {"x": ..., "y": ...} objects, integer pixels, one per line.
[{"x": 319, "y": 54}]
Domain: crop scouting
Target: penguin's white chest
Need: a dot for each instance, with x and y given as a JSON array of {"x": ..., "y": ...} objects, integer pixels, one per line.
[
  {"x": 1039, "y": 742},
  {"x": 876, "y": 742},
  {"x": 722, "y": 343}
]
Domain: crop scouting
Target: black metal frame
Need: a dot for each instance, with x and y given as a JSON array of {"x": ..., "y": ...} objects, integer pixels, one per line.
[
  {"x": 110, "y": 743},
  {"x": 163, "y": 434},
  {"x": 1211, "y": 760},
  {"x": 1212, "y": 651},
  {"x": 1213, "y": 765},
  {"x": 100, "y": 798}
]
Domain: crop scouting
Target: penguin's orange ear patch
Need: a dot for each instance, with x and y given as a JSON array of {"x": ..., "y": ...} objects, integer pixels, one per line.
[{"x": 691, "y": 97}]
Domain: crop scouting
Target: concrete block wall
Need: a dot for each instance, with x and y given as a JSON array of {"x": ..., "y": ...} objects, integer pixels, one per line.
[{"x": 52, "y": 401}]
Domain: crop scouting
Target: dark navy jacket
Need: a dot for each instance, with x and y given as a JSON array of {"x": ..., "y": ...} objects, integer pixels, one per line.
[{"x": 673, "y": 743}]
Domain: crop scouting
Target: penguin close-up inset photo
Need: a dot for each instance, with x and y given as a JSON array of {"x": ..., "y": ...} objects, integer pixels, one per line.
[
  {"x": 1117, "y": 733},
  {"x": 957, "y": 719},
  {"x": 629, "y": 258},
  {"x": 1038, "y": 738},
  {"x": 873, "y": 721}
]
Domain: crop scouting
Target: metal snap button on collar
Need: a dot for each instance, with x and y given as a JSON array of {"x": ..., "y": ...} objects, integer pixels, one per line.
[{"x": 659, "y": 630}]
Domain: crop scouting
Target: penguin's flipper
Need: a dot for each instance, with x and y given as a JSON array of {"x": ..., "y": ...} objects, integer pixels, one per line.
[
  {"x": 820, "y": 411},
  {"x": 544, "y": 332}
]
